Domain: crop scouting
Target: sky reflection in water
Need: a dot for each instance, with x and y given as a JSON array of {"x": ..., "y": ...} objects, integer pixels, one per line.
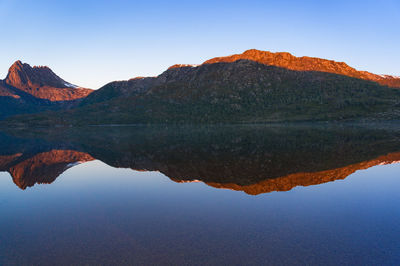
[{"x": 94, "y": 213}]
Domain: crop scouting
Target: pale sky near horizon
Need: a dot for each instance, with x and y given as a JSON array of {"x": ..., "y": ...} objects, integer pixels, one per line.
[{"x": 90, "y": 43}]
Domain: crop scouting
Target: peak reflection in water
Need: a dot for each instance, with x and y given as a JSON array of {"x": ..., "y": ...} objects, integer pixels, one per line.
[{"x": 253, "y": 159}]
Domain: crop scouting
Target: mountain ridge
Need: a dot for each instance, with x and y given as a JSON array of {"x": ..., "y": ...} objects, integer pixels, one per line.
[
  {"x": 252, "y": 87},
  {"x": 279, "y": 59},
  {"x": 306, "y": 63}
]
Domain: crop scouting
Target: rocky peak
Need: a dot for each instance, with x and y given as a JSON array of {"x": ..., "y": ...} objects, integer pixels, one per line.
[
  {"x": 22, "y": 75},
  {"x": 42, "y": 82},
  {"x": 17, "y": 64}
]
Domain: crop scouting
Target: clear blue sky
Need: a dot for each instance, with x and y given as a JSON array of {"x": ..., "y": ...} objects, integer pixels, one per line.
[{"x": 90, "y": 43}]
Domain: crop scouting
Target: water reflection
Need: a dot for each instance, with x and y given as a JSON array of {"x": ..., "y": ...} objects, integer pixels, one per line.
[{"x": 253, "y": 159}]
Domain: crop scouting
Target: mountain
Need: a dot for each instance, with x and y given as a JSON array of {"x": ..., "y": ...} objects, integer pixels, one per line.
[
  {"x": 27, "y": 90},
  {"x": 41, "y": 82},
  {"x": 281, "y": 60},
  {"x": 253, "y": 87}
]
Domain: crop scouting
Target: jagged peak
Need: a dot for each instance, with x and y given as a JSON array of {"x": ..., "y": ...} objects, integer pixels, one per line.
[
  {"x": 20, "y": 65},
  {"x": 17, "y": 66},
  {"x": 42, "y": 82},
  {"x": 17, "y": 63}
]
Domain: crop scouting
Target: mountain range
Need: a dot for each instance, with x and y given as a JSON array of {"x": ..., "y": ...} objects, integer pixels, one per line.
[{"x": 252, "y": 87}]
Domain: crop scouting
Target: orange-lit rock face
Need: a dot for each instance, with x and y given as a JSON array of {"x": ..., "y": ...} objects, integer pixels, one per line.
[
  {"x": 43, "y": 83},
  {"x": 43, "y": 168},
  {"x": 289, "y": 182},
  {"x": 286, "y": 60}
]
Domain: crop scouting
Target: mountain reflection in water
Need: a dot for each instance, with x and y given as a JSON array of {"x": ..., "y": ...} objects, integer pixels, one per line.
[{"x": 253, "y": 159}]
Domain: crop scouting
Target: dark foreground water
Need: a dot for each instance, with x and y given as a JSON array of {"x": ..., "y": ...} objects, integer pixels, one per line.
[{"x": 218, "y": 195}]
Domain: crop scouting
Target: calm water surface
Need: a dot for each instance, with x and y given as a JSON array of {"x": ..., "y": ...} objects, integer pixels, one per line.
[{"x": 243, "y": 196}]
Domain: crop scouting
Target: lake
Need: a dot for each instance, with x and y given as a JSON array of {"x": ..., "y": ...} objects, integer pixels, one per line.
[{"x": 201, "y": 195}]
